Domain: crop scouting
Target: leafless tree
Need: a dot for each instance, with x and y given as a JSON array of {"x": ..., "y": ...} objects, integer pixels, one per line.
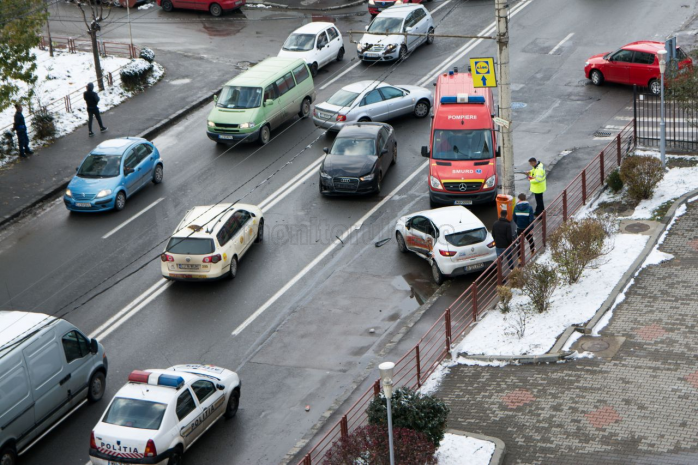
[{"x": 93, "y": 14}]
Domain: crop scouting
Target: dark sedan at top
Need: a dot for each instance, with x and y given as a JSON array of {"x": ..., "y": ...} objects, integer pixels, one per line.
[{"x": 359, "y": 158}]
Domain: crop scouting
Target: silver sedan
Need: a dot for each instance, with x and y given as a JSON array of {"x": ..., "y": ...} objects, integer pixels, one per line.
[{"x": 371, "y": 101}]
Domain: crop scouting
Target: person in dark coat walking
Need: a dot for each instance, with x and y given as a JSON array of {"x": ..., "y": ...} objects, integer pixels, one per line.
[
  {"x": 92, "y": 100},
  {"x": 20, "y": 127},
  {"x": 523, "y": 217},
  {"x": 503, "y": 236}
]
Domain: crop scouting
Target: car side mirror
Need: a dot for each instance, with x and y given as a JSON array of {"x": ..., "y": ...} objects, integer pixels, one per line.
[
  {"x": 94, "y": 346},
  {"x": 268, "y": 102},
  {"x": 499, "y": 152},
  {"x": 128, "y": 171},
  {"x": 215, "y": 98},
  {"x": 326, "y": 149},
  {"x": 366, "y": 28},
  {"x": 425, "y": 151},
  {"x": 77, "y": 168},
  {"x": 384, "y": 151},
  {"x": 407, "y": 226},
  {"x": 220, "y": 387}
]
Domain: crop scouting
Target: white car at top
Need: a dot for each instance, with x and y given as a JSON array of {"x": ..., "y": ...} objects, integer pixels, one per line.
[
  {"x": 384, "y": 39},
  {"x": 452, "y": 239},
  {"x": 317, "y": 43},
  {"x": 159, "y": 414}
]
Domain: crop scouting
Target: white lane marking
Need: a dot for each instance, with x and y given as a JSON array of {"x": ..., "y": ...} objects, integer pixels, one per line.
[
  {"x": 328, "y": 83},
  {"x": 53, "y": 427},
  {"x": 439, "y": 7},
  {"x": 472, "y": 43},
  {"x": 326, "y": 252},
  {"x": 293, "y": 188},
  {"x": 291, "y": 183},
  {"x": 569, "y": 36},
  {"x": 106, "y": 236}
]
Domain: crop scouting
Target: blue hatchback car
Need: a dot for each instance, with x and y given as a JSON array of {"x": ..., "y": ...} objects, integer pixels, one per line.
[{"x": 113, "y": 172}]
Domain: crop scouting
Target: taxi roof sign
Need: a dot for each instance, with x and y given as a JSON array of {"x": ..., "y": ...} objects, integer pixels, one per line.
[{"x": 483, "y": 72}]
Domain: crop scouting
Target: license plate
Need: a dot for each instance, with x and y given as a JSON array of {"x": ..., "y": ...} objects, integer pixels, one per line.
[
  {"x": 372, "y": 55},
  {"x": 83, "y": 205},
  {"x": 463, "y": 202},
  {"x": 188, "y": 267},
  {"x": 344, "y": 185},
  {"x": 323, "y": 115},
  {"x": 224, "y": 136},
  {"x": 188, "y": 276},
  {"x": 474, "y": 267}
]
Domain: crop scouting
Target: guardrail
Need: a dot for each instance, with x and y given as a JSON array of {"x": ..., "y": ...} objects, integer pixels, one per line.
[
  {"x": 419, "y": 363},
  {"x": 73, "y": 45}
]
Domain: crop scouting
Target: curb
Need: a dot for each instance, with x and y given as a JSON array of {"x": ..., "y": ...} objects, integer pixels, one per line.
[
  {"x": 328, "y": 8},
  {"x": 500, "y": 449},
  {"x": 550, "y": 357},
  {"x": 147, "y": 134}
]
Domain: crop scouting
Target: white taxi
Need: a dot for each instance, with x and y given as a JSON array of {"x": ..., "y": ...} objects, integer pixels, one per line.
[
  {"x": 210, "y": 241},
  {"x": 452, "y": 239},
  {"x": 159, "y": 414}
]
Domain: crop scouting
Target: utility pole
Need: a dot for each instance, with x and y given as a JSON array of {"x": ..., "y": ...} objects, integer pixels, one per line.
[
  {"x": 502, "y": 14},
  {"x": 48, "y": 30}
]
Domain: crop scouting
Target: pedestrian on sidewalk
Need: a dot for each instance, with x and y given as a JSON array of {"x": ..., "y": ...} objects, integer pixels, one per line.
[
  {"x": 92, "y": 100},
  {"x": 503, "y": 236},
  {"x": 537, "y": 178},
  {"x": 523, "y": 217},
  {"x": 20, "y": 127}
]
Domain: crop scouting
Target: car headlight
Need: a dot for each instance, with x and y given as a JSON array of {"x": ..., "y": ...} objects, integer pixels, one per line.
[
  {"x": 390, "y": 48},
  {"x": 68, "y": 193},
  {"x": 490, "y": 182},
  {"x": 247, "y": 125},
  {"x": 586, "y": 63},
  {"x": 103, "y": 193},
  {"x": 435, "y": 183},
  {"x": 368, "y": 177},
  {"x": 211, "y": 124},
  {"x": 324, "y": 175}
]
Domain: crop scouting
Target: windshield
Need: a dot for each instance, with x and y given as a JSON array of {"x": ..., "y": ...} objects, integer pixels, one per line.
[
  {"x": 343, "y": 98},
  {"x": 462, "y": 145},
  {"x": 386, "y": 25},
  {"x": 100, "y": 166},
  {"x": 240, "y": 97},
  {"x": 134, "y": 413},
  {"x": 346, "y": 146},
  {"x": 299, "y": 42},
  {"x": 462, "y": 239},
  {"x": 190, "y": 246}
]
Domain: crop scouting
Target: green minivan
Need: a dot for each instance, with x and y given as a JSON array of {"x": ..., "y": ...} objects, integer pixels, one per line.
[{"x": 259, "y": 100}]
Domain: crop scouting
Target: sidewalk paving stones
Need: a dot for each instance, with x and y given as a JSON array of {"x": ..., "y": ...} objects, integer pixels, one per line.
[{"x": 638, "y": 406}]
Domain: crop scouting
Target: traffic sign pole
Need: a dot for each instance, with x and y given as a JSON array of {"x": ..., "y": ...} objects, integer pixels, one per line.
[{"x": 507, "y": 141}]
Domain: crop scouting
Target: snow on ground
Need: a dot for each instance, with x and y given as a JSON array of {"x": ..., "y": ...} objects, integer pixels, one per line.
[
  {"x": 146, "y": 6},
  {"x": 458, "y": 450}
]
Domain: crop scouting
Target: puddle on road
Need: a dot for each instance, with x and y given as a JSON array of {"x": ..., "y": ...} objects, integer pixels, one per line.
[{"x": 420, "y": 288}]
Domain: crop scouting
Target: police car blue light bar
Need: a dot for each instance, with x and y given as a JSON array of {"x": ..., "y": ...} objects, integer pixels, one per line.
[
  {"x": 463, "y": 98},
  {"x": 171, "y": 381},
  {"x": 154, "y": 379}
]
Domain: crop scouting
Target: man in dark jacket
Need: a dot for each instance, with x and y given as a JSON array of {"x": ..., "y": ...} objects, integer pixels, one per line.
[
  {"x": 503, "y": 236},
  {"x": 92, "y": 100},
  {"x": 523, "y": 217},
  {"x": 20, "y": 127}
]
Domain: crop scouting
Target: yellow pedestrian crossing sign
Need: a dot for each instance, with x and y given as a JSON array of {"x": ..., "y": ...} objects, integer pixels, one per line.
[{"x": 483, "y": 72}]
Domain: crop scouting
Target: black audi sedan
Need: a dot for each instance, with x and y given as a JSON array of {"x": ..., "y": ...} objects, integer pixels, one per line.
[{"x": 359, "y": 158}]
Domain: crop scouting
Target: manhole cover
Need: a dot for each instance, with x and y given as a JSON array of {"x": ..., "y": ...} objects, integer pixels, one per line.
[
  {"x": 602, "y": 134},
  {"x": 595, "y": 346},
  {"x": 635, "y": 228},
  {"x": 517, "y": 105}
]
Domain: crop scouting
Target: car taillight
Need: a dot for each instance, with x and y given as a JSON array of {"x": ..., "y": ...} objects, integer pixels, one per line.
[
  {"x": 446, "y": 253},
  {"x": 341, "y": 117},
  {"x": 491, "y": 245},
  {"x": 212, "y": 259},
  {"x": 150, "y": 450},
  {"x": 166, "y": 258},
  {"x": 93, "y": 443}
]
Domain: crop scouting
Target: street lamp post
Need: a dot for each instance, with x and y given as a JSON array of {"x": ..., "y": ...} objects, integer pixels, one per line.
[
  {"x": 386, "y": 369},
  {"x": 662, "y": 122}
]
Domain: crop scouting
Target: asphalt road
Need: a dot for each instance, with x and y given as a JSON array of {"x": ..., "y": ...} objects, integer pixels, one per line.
[{"x": 340, "y": 302}]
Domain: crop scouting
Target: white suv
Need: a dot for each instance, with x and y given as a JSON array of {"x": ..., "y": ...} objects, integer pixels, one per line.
[
  {"x": 411, "y": 18},
  {"x": 316, "y": 43}
]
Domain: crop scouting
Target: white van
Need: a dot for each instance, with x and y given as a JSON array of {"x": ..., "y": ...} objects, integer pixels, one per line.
[{"x": 48, "y": 369}]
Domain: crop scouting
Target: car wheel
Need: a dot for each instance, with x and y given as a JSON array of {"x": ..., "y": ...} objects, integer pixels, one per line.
[
  {"x": 403, "y": 53},
  {"x": 365, "y": 119},
  {"x": 97, "y": 386},
  {"x": 8, "y": 456},
  {"x": 401, "y": 246},
  {"x": 264, "y": 135},
  {"x": 233, "y": 403},
  {"x": 430, "y": 36},
  {"x": 596, "y": 77},
  {"x": 158, "y": 174},
  {"x": 233, "y": 271},
  {"x": 167, "y": 6},
  {"x": 340, "y": 55},
  {"x": 215, "y": 10},
  {"x": 436, "y": 274},
  {"x": 394, "y": 160},
  {"x": 305, "y": 108},
  {"x": 260, "y": 232},
  {"x": 655, "y": 87},
  {"x": 176, "y": 457},
  {"x": 313, "y": 69},
  {"x": 379, "y": 184},
  {"x": 120, "y": 201},
  {"x": 421, "y": 110}
]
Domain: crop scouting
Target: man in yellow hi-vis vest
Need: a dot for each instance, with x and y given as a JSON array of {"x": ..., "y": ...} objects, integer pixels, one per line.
[{"x": 537, "y": 179}]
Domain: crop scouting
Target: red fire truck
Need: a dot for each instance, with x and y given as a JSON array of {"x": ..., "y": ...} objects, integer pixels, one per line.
[{"x": 462, "y": 147}]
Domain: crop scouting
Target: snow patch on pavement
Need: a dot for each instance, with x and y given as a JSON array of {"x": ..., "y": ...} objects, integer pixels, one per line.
[
  {"x": 458, "y": 450},
  {"x": 147, "y": 6}
]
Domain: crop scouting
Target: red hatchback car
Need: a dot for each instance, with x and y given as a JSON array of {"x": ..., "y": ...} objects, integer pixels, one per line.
[
  {"x": 215, "y": 7},
  {"x": 636, "y": 63},
  {"x": 376, "y": 6}
]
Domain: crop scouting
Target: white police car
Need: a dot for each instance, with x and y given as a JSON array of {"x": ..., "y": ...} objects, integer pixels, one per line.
[
  {"x": 159, "y": 414},
  {"x": 452, "y": 239}
]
